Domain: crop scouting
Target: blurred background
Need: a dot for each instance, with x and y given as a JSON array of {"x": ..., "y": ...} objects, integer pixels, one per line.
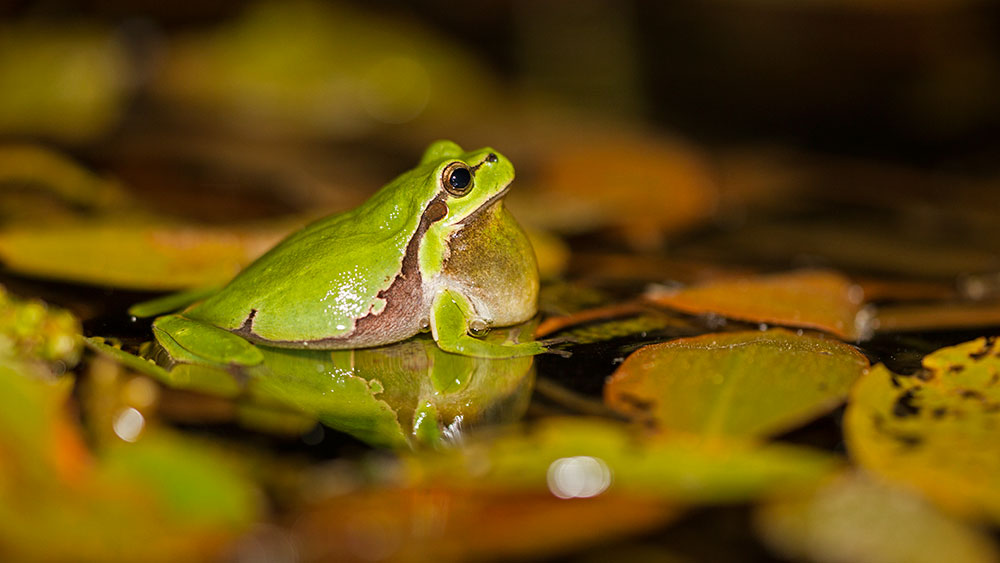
[
  {"x": 644, "y": 120},
  {"x": 912, "y": 81},
  {"x": 148, "y": 147}
]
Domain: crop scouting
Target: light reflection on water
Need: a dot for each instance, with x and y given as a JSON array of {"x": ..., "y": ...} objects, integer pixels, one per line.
[
  {"x": 578, "y": 477},
  {"x": 129, "y": 424}
]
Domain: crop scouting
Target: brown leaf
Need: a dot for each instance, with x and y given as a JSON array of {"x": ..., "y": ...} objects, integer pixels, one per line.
[{"x": 447, "y": 524}]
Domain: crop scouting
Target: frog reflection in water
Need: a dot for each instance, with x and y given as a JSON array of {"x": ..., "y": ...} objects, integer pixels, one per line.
[
  {"x": 434, "y": 249},
  {"x": 403, "y": 395}
]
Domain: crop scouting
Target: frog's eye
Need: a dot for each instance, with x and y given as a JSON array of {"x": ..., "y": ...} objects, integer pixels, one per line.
[{"x": 457, "y": 179}]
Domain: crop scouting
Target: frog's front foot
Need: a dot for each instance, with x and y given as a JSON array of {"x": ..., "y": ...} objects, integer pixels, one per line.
[{"x": 451, "y": 328}]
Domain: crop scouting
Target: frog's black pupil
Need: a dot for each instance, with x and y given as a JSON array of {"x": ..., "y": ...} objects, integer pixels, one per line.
[{"x": 460, "y": 178}]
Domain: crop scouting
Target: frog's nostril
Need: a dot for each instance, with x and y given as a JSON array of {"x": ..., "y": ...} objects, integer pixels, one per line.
[{"x": 491, "y": 157}]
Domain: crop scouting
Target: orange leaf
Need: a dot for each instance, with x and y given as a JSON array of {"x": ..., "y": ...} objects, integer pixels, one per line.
[{"x": 810, "y": 299}]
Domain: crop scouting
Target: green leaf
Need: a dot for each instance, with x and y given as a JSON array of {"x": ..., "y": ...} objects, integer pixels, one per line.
[
  {"x": 170, "y": 303},
  {"x": 191, "y": 479},
  {"x": 576, "y": 457},
  {"x": 133, "y": 362},
  {"x": 741, "y": 384}
]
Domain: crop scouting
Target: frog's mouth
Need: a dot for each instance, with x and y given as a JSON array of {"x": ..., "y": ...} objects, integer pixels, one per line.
[{"x": 486, "y": 205}]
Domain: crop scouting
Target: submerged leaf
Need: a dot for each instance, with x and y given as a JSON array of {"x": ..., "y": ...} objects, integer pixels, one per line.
[
  {"x": 855, "y": 518},
  {"x": 939, "y": 433},
  {"x": 810, "y": 299},
  {"x": 743, "y": 384}
]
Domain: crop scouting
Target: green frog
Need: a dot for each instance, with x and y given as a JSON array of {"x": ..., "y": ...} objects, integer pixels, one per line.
[{"x": 434, "y": 249}]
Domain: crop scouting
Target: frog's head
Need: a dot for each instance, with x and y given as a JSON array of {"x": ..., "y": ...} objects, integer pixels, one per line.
[
  {"x": 476, "y": 245},
  {"x": 467, "y": 182}
]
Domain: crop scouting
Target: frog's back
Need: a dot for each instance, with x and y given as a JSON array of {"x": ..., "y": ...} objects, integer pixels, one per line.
[{"x": 312, "y": 288}]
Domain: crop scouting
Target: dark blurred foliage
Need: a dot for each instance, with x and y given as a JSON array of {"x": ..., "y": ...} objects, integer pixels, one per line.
[{"x": 907, "y": 81}]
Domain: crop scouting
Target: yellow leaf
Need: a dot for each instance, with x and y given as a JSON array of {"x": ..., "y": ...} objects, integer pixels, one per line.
[
  {"x": 855, "y": 518},
  {"x": 938, "y": 431}
]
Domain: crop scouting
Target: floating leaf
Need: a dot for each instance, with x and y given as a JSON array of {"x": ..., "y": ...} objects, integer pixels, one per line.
[
  {"x": 939, "y": 432},
  {"x": 204, "y": 379},
  {"x": 137, "y": 255},
  {"x": 742, "y": 384},
  {"x": 614, "y": 321},
  {"x": 170, "y": 303},
  {"x": 942, "y": 315},
  {"x": 391, "y": 524},
  {"x": 856, "y": 518},
  {"x": 583, "y": 458},
  {"x": 811, "y": 299}
]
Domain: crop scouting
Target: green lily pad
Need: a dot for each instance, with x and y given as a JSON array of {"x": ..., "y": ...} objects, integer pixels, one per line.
[
  {"x": 741, "y": 384},
  {"x": 939, "y": 432},
  {"x": 857, "y": 518}
]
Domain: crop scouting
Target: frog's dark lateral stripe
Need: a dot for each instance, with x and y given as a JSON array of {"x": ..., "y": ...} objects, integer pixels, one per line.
[{"x": 403, "y": 300}]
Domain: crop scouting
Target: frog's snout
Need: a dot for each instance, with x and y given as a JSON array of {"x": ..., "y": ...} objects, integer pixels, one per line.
[{"x": 490, "y": 157}]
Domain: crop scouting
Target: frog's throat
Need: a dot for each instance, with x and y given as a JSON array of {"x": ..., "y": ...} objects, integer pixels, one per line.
[
  {"x": 486, "y": 205},
  {"x": 399, "y": 319}
]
